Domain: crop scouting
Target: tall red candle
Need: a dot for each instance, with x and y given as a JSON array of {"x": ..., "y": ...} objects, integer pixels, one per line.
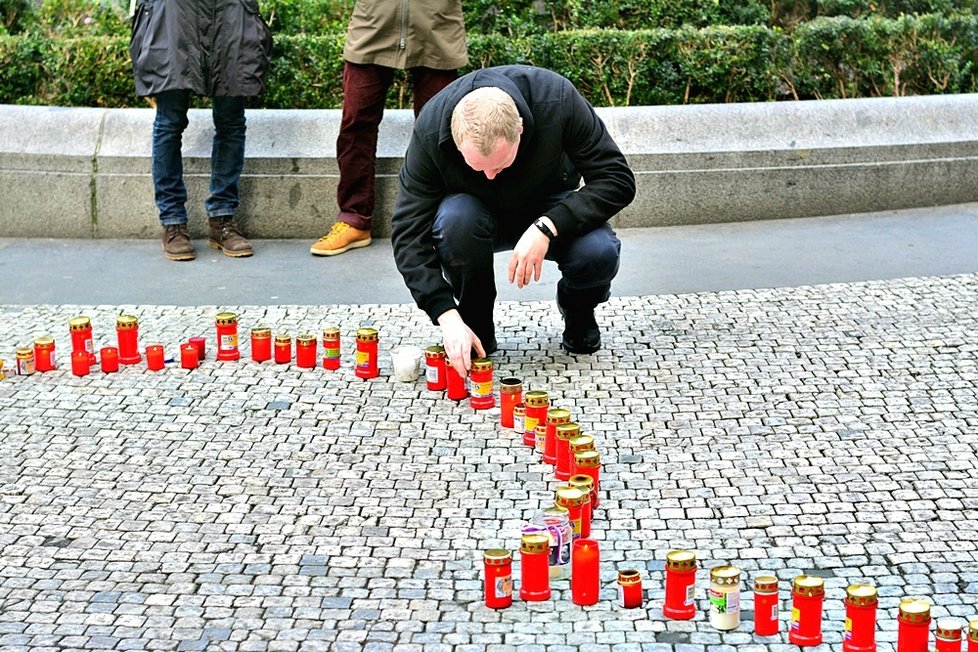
[
  {"x": 534, "y": 567},
  {"x": 629, "y": 589},
  {"x": 283, "y": 349},
  {"x": 455, "y": 388},
  {"x": 331, "y": 348},
  {"x": 261, "y": 343},
  {"x": 973, "y": 636},
  {"x": 589, "y": 463},
  {"x": 563, "y": 433},
  {"x": 555, "y": 417},
  {"x": 807, "y": 595},
  {"x": 860, "y": 632},
  {"x": 188, "y": 356},
  {"x": 680, "y": 602},
  {"x": 510, "y": 394},
  {"x": 366, "y": 356},
  {"x": 766, "y": 605},
  {"x": 434, "y": 367},
  {"x": 227, "y": 336},
  {"x": 585, "y": 565},
  {"x": 109, "y": 358},
  {"x": 80, "y": 366},
  {"x": 480, "y": 381},
  {"x": 81, "y": 337},
  {"x": 305, "y": 350},
  {"x": 154, "y": 357},
  {"x": 498, "y": 578},
  {"x": 913, "y": 625},
  {"x": 535, "y": 404},
  {"x": 127, "y": 330},
  {"x": 44, "y": 356},
  {"x": 947, "y": 635},
  {"x": 573, "y": 501}
]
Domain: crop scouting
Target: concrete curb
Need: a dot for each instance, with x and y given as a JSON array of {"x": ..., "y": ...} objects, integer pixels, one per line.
[{"x": 85, "y": 173}]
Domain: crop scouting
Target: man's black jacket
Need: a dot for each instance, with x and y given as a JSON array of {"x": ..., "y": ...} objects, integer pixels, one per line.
[{"x": 563, "y": 140}]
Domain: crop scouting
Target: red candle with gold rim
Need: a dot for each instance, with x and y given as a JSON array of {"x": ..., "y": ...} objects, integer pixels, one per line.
[
  {"x": 498, "y": 578},
  {"x": 227, "y": 336},
  {"x": 535, "y": 404},
  {"x": 629, "y": 589},
  {"x": 913, "y": 625},
  {"x": 973, "y": 636},
  {"x": 534, "y": 567},
  {"x": 555, "y": 417},
  {"x": 766, "y": 605},
  {"x": 305, "y": 350},
  {"x": 435, "y": 373},
  {"x": 807, "y": 595},
  {"x": 563, "y": 434},
  {"x": 947, "y": 635},
  {"x": 680, "y": 603},
  {"x": 331, "y": 348},
  {"x": 81, "y": 337},
  {"x": 261, "y": 343},
  {"x": 366, "y": 355},
  {"x": 44, "y": 356},
  {"x": 283, "y": 349},
  {"x": 510, "y": 394},
  {"x": 860, "y": 632},
  {"x": 480, "y": 380},
  {"x": 585, "y": 484},
  {"x": 589, "y": 463},
  {"x": 127, "y": 330},
  {"x": 572, "y": 500},
  {"x": 585, "y": 570}
]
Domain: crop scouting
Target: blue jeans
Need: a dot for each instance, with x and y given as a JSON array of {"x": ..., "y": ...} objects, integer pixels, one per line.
[
  {"x": 227, "y": 156},
  {"x": 467, "y": 234}
]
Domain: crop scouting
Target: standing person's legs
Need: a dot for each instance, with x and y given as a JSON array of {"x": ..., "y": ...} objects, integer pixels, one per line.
[
  {"x": 227, "y": 161},
  {"x": 427, "y": 82},
  {"x": 168, "y": 186},
  {"x": 463, "y": 233},
  {"x": 364, "y": 92}
]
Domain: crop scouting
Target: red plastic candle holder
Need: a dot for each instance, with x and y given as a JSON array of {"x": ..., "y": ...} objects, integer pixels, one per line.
[
  {"x": 261, "y": 344},
  {"x": 44, "y": 356},
  {"x": 534, "y": 567},
  {"x": 80, "y": 365},
  {"x": 535, "y": 405},
  {"x": 947, "y": 635},
  {"x": 555, "y": 417},
  {"x": 283, "y": 349},
  {"x": 154, "y": 357},
  {"x": 563, "y": 433},
  {"x": 366, "y": 357},
  {"x": 913, "y": 625},
  {"x": 81, "y": 337},
  {"x": 860, "y": 629},
  {"x": 480, "y": 383},
  {"x": 573, "y": 500},
  {"x": 807, "y": 595},
  {"x": 127, "y": 331},
  {"x": 766, "y": 605},
  {"x": 200, "y": 343},
  {"x": 434, "y": 368},
  {"x": 680, "y": 601},
  {"x": 585, "y": 571},
  {"x": 227, "y": 336},
  {"x": 498, "y": 577},
  {"x": 589, "y": 463},
  {"x": 510, "y": 394},
  {"x": 629, "y": 589},
  {"x": 305, "y": 351},
  {"x": 189, "y": 356},
  {"x": 973, "y": 636},
  {"x": 331, "y": 348},
  {"x": 109, "y": 359},
  {"x": 454, "y": 383}
]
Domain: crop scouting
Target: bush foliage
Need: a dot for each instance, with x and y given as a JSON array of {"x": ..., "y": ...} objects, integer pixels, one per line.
[{"x": 618, "y": 52}]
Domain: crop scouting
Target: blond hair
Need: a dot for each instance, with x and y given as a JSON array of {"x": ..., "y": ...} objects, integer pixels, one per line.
[{"x": 483, "y": 116}]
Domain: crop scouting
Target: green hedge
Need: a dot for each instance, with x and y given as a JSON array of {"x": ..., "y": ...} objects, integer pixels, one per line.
[{"x": 822, "y": 58}]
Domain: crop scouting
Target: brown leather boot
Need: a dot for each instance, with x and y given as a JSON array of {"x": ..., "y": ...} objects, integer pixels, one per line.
[
  {"x": 226, "y": 236},
  {"x": 176, "y": 243}
]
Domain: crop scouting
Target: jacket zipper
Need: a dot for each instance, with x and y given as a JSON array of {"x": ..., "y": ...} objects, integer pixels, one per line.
[{"x": 404, "y": 22}]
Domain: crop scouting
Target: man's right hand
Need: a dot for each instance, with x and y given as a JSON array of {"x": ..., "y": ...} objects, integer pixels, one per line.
[{"x": 459, "y": 341}]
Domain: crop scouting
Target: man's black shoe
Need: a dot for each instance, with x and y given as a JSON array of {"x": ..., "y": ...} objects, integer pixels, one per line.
[{"x": 581, "y": 332}]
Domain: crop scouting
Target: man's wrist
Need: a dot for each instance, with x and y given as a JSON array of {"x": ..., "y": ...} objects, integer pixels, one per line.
[{"x": 546, "y": 227}]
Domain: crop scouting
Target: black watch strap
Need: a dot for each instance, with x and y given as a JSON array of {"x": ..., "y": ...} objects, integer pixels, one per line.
[{"x": 540, "y": 224}]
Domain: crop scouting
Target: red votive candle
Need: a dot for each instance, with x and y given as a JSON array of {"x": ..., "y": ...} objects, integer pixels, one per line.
[
  {"x": 81, "y": 337},
  {"x": 766, "y": 605},
  {"x": 434, "y": 368},
  {"x": 540, "y": 437},
  {"x": 973, "y": 636},
  {"x": 227, "y": 336},
  {"x": 455, "y": 383},
  {"x": 200, "y": 343},
  {"x": 629, "y": 589},
  {"x": 510, "y": 393},
  {"x": 127, "y": 330},
  {"x": 44, "y": 357},
  {"x": 80, "y": 366},
  {"x": 947, "y": 635},
  {"x": 331, "y": 348},
  {"x": 585, "y": 484},
  {"x": 860, "y": 634},
  {"x": 283, "y": 349},
  {"x": 109, "y": 359},
  {"x": 366, "y": 358},
  {"x": 572, "y": 500},
  {"x": 480, "y": 382},
  {"x": 680, "y": 602},
  {"x": 913, "y": 625},
  {"x": 188, "y": 356},
  {"x": 534, "y": 567},
  {"x": 154, "y": 357},
  {"x": 563, "y": 434},
  {"x": 807, "y": 595},
  {"x": 261, "y": 344},
  {"x": 305, "y": 351},
  {"x": 498, "y": 576},
  {"x": 535, "y": 405},
  {"x": 555, "y": 417},
  {"x": 589, "y": 463},
  {"x": 585, "y": 564}
]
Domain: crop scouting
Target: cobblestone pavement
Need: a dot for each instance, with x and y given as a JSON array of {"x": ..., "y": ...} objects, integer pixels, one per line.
[{"x": 829, "y": 430}]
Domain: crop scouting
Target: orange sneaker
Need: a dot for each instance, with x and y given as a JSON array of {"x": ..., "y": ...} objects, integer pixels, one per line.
[{"x": 342, "y": 237}]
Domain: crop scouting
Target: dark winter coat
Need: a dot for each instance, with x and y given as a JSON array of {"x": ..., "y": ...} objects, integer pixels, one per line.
[
  {"x": 210, "y": 47},
  {"x": 563, "y": 140}
]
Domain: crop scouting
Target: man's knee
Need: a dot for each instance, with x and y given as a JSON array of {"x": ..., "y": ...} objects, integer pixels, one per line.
[
  {"x": 594, "y": 258},
  {"x": 462, "y": 229}
]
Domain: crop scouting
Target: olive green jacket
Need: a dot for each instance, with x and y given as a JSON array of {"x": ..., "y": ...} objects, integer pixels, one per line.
[{"x": 407, "y": 34}]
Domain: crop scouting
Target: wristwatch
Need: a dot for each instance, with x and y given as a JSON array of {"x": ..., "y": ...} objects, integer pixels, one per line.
[{"x": 540, "y": 224}]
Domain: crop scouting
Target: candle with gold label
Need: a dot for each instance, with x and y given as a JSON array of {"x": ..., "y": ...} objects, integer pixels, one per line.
[{"x": 860, "y": 633}]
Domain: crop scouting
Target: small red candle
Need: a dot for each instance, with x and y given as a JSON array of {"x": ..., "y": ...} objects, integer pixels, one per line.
[
  {"x": 498, "y": 576},
  {"x": 127, "y": 330},
  {"x": 227, "y": 336},
  {"x": 510, "y": 393},
  {"x": 480, "y": 381},
  {"x": 455, "y": 383},
  {"x": 572, "y": 500},
  {"x": 766, "y": 605},
  {"x": 305, "y": 351},
  {"x": 534, "y": 567},
  {"x": 434, "y": 368},
  {"x": 154, "y": 357},
  {"x": 283, "y": 349},
  {"x": 585, "y": 484},
  {"x": 44, "y": 357},
  {"x": 947, "y": 635},
  {"x": 563, "y": 434},
  {"x": 109, "y": 357},
  {"x": 80, "y": 366},
  {"x": 589, "y": 463},
  {"x": 555, "y": 417},
  {"x": 188, "y": 356},
  {"x": 519, "y": 420},
  {"x": 535, "y": 406},
  {"x": 680, "y": 603},
  {"x": 913, "y": 625},
  {"x": 366, "y": 357},
  {"x": 261, "y": 344},
  {"x": 973, "y": 636},
  {"x": 807, "y": 595},
  {"x": 81, "y": 337},
  {"x": 331, "y": 348},
  {"x": 629, "y": 589},
  {"x": 860, "y": 635},
  {"x": 200, "y": 343},
  {"x": 585, "y": 565},
  {"x": 540, "y": 437}
]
